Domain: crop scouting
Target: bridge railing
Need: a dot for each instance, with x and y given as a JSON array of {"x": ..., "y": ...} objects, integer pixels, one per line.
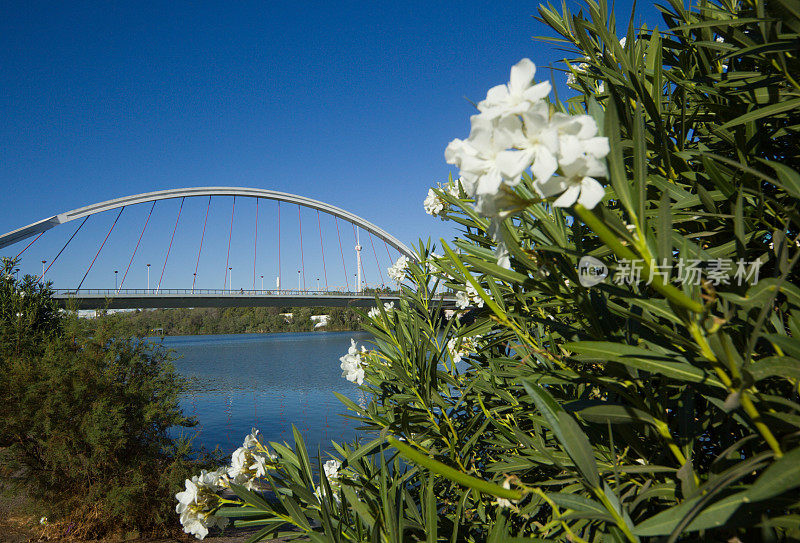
[{"x": 110, "y": 293}]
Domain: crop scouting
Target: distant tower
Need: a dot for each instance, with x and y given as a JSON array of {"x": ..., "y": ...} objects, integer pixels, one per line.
[{"x": 358, "y": 259}]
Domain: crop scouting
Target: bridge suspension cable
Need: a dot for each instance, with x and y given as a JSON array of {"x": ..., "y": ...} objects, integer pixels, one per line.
[
  {"x": 31, "y": 243},
  {"x": 278, "y": 284},
  {"x": 255, "y": 247},
  {"x": 322, "y": 248},
  {"x": 158, "y": 289},
  {"x": 64, "y": 247},
  {"x": 101, "y": 247},
  {"x": 124, "y": 275},
  {"x": 227, "y": 258},
  {"x": 302, "y": 259},
  {"x": 202, "y": 237},
  {"x": 387, "y": 252},
  {"x": 378, "y": 264},
  {"x": 341, "y": 252}
]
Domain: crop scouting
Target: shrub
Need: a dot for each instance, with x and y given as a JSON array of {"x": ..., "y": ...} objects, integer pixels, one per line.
[
  {"x": 662, "y": 406},
  {"x": 84, "y": 419}
]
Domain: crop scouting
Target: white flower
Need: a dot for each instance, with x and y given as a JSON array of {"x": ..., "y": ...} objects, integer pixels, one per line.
[
  {"x": 622, "y": 42},
  {"x": 433, "y": 204},
  {"x": 580, "y": 160},
  {"x": 473, "y": 296},
  {"x": 352, "y": 365},
  {"x": 43, "y": 521},
  {"x": 517, "y": 96},
  {"x": 571, "y": 79},
  {"x": 252, "y": 440},
  {"x": 458, "y": 351},
  {"x": 536, "y": 147},
  {"x": 197, "y": 501},
  {"x": 469, "y": 297},
  {"x": 331, "y": 469},
  {"x": 575, "y": 185},
  {"x": 504, "y": 502},
  {"x": 249, "y": 462},
  {"x": 452, "y": 188},
  {"x": 483, "y": 165},
  {"x": 398, "y": 270},
  {"x": 374, "y": 313}
]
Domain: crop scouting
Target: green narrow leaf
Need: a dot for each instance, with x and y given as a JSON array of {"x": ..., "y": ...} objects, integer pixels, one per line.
[
  {"x": 581, "y": 504},
  {"x": 431, "y": 515},
  {"x": 738, "y": 220},
  {"x": 259, "y": 535},
  {"x": 664, "y": 232},
  {"x": 453, "y": 474},
  {"x": 547, "y": 406},
  {"x": 712, "y": 516},
  {"x": 639, "y": 163},
  {"x": 762, "y": 112},
  {"x": 616, "y": 163},
  {"x": 643, "y": 359},
  {"x": 579, "y": 449},
  {"x": 250, "y": 497},
  {"x": 789, "y": 179},
  {"x": 616, "y": 414},
  {"x": 780, "y": 476},
  {"x": 782, "y": 366}
]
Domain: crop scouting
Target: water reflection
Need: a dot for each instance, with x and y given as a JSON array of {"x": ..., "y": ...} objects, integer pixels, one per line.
[{"x": 268, "y": 381}]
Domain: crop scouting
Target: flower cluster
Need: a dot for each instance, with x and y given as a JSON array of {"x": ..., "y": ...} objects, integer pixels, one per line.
[
  {"x": 434, "y": 204},
  {"x": 374, "y": 313},
  {"x": 353, "y": 364},
  {"x": 516, "y": 130},
  {"x": 398, "y": 270},
  {"x": 331, "y": 469},
  {"x": 196, "y": 504},
  {"x": 460, "y": 349},
  {"x": 469, "y": 297},
  {"x": 250, "y": 462}
]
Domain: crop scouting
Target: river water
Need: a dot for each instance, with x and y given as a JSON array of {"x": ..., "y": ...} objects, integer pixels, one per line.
[{"x": 266, "y": 381}]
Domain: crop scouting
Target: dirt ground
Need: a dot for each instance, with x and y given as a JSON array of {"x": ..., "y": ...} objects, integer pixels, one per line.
[
  {"x": 17, "y": 525},
  {"x": 22, "y": 530}
]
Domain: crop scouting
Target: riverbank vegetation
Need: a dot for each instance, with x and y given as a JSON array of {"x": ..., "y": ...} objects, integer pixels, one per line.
[
  {"x": 630, "y": 368},
  {"x": 84, "y": 420},
  {"x": 229, "y": 320}
]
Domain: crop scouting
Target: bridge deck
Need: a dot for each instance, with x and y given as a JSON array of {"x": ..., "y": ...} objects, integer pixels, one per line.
[{"x": 142, "y": 299}]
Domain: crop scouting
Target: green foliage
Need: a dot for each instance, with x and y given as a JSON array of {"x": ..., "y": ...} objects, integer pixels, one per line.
[
  {"x": 660, "y": 410},
  {"x": 84, "y": 420},
  {"x": 229, "y": 320}
]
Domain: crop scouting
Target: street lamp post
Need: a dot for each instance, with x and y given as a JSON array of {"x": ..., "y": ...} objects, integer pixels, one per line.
[
  {"x": 43, "y": 263},
  {"x": 317, "y": 284},
  {"x": 262, "y": 283},
  {"x": 195, "y": 279},
  {"x": 230, "y": 280},
  {"x": 115, "y": 279},
  {"x": 299, "y": 285},
  {"x": 148, "y": 278}
]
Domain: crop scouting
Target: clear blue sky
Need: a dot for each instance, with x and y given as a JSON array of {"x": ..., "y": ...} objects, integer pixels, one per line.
[{"x": 346, "y": 102}]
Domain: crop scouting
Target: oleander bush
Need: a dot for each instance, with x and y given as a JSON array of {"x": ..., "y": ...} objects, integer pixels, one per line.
[
  {"x": 84, "y": 419},
  {"x": 648, "y": 393}
]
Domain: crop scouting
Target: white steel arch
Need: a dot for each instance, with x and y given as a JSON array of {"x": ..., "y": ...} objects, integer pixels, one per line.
[{"x": 46, "y": 224}]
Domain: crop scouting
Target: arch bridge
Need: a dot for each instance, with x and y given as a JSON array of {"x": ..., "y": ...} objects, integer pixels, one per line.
[{"x": 125, "y": 297}]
